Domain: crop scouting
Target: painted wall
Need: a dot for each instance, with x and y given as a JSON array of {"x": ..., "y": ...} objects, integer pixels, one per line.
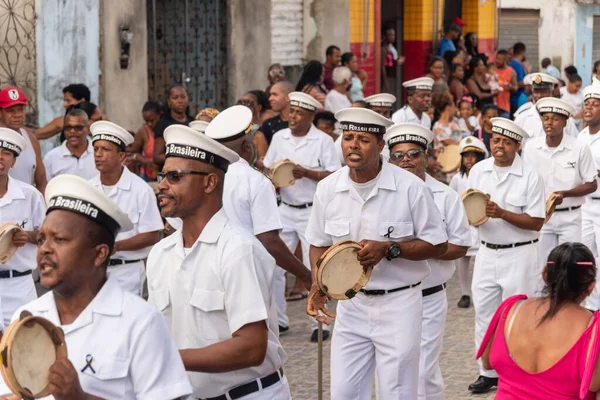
[
  {"x": 124, "y": 91},
  {"x": 325, "y": 24},
  {"x": 583, "y": 41},
  {"x": 362, "y": 40}
]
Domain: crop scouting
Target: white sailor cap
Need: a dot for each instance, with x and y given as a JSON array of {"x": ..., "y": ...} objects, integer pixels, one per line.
[
  {"x": 105, "y": 130},
  {"x": 592, "y": 92},
  {"x": 408, "y": 133},
  {"x": 231, "y": 124},
  {"x": 184, "y": 142},
  {"x": 303, "y": 100},
  {"x": 381, "y": 100},
  {"x": 471, "y": 143},
  {"x": 508, "y": 128},
  {"x": 11, "y": 140},
  {"x": 200, "y": 126},
  {"x": 554, "y": 105},
  {"x": 73, "y": 193},
  {"x": 595, "y": 81},
  {"x": 424, "y": 83},
  {"x": 540, "y": 80},
  {"x": 362, "y": 120}
]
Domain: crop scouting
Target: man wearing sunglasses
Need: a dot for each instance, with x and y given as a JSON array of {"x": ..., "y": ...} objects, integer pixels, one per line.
[
  {"x": 76, "y": 155},
  {"x": 134, "y": 197},
  {"x": 408, "y": 145},
  {"x": 212, "y": 279}
]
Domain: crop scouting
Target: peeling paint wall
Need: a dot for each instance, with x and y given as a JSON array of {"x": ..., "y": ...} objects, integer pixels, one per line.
[
  {"x": 327, "y": 22},
  {"x": 583, "y": 41}
]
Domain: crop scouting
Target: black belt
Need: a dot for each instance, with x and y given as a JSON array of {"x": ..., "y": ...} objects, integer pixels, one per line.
[
  {"x": 305, "y": 205},
  {"x": 567, "y": 209},
  {"x": 507, "y": 246},
  {"x": 595, "y": 198},
  {"x": 13, "y": 274},
  {"x": 382, "y": 292},
  {"x": 434, "y": 290},
  {"x": 112, "y": 263},
  {"x": 249, "y": 388}
]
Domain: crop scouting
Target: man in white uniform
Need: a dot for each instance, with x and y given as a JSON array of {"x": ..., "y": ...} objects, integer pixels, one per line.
[
  {"x": 313, "y": 152},
  {"x": 393, "y": 216},
  {"x": 134, "y": 197},
  {"x": 22, "y": 204},
  {"x": 118, "y": 345},
  {"x": 408, "y": 146},
  {"x": 76, "y": 155},
  {"x": 507, "y": 262},
  {"x": 418, "y": 93},
  {"x": 213, "y": 280},
  {"x": 568, "y": 171}
]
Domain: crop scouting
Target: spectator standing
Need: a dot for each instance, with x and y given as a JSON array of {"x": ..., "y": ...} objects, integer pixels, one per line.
[
  {"x": 570, "y": 71},
  {"x": 484, "y": 132},
  {"x": 311, "y": 81},
  {"x": 280, "y": 103},
  {"x": 478, "y": 84},
  {"x": 250, "y": 100},
  {"x": 451, "y": 33},
  {"x": 206, "y": 114},
  {"x": 389, "y": 57},
  {"x": 596, "y": 73},
  {"x": 333, "y": 55},
  {"x": 472, "y": 46},
  {"x": 275, "y": 74},
  {"x": 455, "y": 83},
  {"x": 143, "y": 145},
  {"x": 550, "y": 69},
  {"x": 356, "y": 91},
  {"x": 455, "y": 57},
  {"x": 446, "y": 129},
  {"x": 572, "y": 94},
  {"x": 337, "y": 99},
  {"x": 436, "y": 68},
  {"x": 518, "y": 55},
  {"x": 508, "y": 82},
  {"x": 325, "y": 121}
]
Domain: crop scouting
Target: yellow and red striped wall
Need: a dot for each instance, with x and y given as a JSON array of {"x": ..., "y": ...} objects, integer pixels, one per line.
[
  {"x": 364, "y": 34},
  {"x": 483, "y": 20}
]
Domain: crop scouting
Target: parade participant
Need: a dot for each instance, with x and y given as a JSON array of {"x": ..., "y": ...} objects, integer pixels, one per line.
[
  {"x": 507, "y": 261},
  {"x": 76, "y": 155},
  {"x": 381, "y": 103},
  {"x": 418, "y": 93},
  {"x": 393, "y": 216},
  {"x": 408, "y": 149},
  {"x": 472, "y": 151},
  {"x": 314, "y": 154},
  {"x": 212, "y": 280},
  {"x": 568, "y": 171},
  {"x": 133, "y": 196},
  {"x": 118, "y": 346},
  {"x": 30, "y": 168},
  {"x": 22, "y": 204}
]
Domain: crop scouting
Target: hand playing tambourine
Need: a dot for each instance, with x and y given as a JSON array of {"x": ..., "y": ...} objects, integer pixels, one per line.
[{"x": 317, "y": 301}]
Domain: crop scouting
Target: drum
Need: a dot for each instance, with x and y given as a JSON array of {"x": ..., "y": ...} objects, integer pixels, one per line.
[
  {"x": 450, "y": 159},
  {"x": 475, "y": 203},
  {"x": 7, "y": 248},
  {"x": 550, "y": 206},
  {"x": 281, "y": 173},
  {"x": 340, "y": 276},
  {"x": 28, "y": 349}
]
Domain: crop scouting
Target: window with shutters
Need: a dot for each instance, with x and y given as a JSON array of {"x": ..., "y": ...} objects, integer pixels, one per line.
[{"x": 287, "y": 32}]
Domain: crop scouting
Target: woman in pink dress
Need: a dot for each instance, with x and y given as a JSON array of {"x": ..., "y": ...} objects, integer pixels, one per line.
[{"x": 547, "y": 347}]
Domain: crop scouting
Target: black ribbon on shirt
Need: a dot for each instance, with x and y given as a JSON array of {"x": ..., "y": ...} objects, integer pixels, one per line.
[
  {"x": 389, "y": 232},
  {"x": 88, "y": 363}
]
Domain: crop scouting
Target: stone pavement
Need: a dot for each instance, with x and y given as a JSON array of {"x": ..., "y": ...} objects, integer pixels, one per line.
[{"x": 458, "y": 365}]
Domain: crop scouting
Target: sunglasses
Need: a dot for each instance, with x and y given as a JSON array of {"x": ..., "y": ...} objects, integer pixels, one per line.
[
  {"x": 412, "y": 154},
  {"x": 276, "y": 72},
  {"x": 77, "y": 128},
  {"x": 176, "y": 175}
]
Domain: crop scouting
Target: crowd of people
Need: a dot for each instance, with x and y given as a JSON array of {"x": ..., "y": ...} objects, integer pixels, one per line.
[{"x": 184, "y": 213}]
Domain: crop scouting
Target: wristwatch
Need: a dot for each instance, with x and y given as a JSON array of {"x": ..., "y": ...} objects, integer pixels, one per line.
[{"x": 393, "y": 251}]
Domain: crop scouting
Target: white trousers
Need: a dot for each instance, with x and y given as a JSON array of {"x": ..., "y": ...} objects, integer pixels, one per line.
[
  {"x": 435, "y": 309},
  {"x": 497, "y": 275},
  {"x": 378, "y": 335},
  {"x": 131, "y": 277},
  {"x": 564, "y": 226},
  {"x": 15, "y": 292},
  {"x": 590, "y": 236}
]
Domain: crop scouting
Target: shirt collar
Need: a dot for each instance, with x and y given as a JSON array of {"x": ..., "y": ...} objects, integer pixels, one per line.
[
  {"x": 386, "y": 179},
  {"x": 433, "y": 184},
  {"x": 516, "y": 168},
  {"x": 13, "y": 192},
  {"x": 65, "y": 152},
  {"x": 210, "y": 234},
  {"x": 565, "y": 143},
  {"x": 124, "y": 182},
  {"x": 311, "y": 135}
]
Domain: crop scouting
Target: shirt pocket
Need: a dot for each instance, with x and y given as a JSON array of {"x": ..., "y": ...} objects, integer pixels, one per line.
[
  {"x": 567, "y": 173},
  {"x": 160, "y": 298},
  {"x": 211, "y": 317},
  {"x": 396, "y": 230},
  {"x": 106, "y": 375},
  {"x": 338, "y": 229},
  {"x": 516, "y": 203}
]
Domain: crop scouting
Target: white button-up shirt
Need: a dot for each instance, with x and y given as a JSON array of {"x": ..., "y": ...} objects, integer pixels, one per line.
[
  {"x": 564, "y": 167},
  {"x": 454, "y": 221},
  {"x": 24, "y": 205},
  {"x": 400, "y": 209},
  {"x": 314, "y": 151},
  {"x": 223, "y": 283},
  {"x": 137, "y": 199},
  {"x": 531, "y": 122},
  {"x": 60, "y": 161},
  {"x": 521, "y": 191},
  {"x": 591, "y": 207},
  {"x": 132, "y": 353},
  {"x": 406, "y": 114}
]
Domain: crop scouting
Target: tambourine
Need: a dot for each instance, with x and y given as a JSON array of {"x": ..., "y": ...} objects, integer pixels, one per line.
[
  {"x": 339, "y": 274},
  {"x": 282, "y": 173},
  {"x": 7, "y": 248},
  {"x": 551, "y": 206},
  {"x": 475, "y": 203},
  {"x": 450, "y": 158},
  {"x": 28, "y": 349}
]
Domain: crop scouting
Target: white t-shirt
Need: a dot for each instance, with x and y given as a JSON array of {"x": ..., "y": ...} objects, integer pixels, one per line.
[
  {"x": 576, "y": 100},
  {"x": 335, "y": 101}
]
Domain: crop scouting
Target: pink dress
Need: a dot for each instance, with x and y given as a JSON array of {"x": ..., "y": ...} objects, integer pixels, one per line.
[{"x": 568, "y": 379}]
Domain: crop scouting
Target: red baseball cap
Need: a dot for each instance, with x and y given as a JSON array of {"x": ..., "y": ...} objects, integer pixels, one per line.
[
  {"x": 458, "y": 21},
  {"x": 12, "y": 96}
]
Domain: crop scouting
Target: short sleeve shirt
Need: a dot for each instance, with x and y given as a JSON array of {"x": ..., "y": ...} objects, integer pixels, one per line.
[
  {"x": 272, "y": 126},
  {"x": 60, "y": 161}
]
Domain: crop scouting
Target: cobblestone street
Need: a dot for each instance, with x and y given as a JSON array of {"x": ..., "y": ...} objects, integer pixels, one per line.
[{"x": 458, "y": 366}]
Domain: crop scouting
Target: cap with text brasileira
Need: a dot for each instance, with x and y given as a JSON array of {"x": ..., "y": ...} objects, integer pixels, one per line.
[
  {"x": 362, "y": 120},
  {"x": 592, "y": 92},
  {"x": 111, "y": 132},
  {"x": 184, "y": 142},
  {"x": 11, "y": 140},
  {"x": 508, "y": 128},
  {"x": 423, "y": 83},
  {"x": 381, "y": 100},
  {"x": 75, "y": 194},
  {"x": 231, "y": 124},
  {"x": 408, "y": 133},
  {"x": 305, "y": 101},
  {"x": 555, "y": 106}
]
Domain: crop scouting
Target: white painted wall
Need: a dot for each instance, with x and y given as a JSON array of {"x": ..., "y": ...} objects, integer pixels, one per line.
[{"x": 557, "y": 27}]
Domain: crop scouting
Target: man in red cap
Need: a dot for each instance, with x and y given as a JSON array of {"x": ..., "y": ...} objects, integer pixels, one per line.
[{"x": 30, "y": 168}]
